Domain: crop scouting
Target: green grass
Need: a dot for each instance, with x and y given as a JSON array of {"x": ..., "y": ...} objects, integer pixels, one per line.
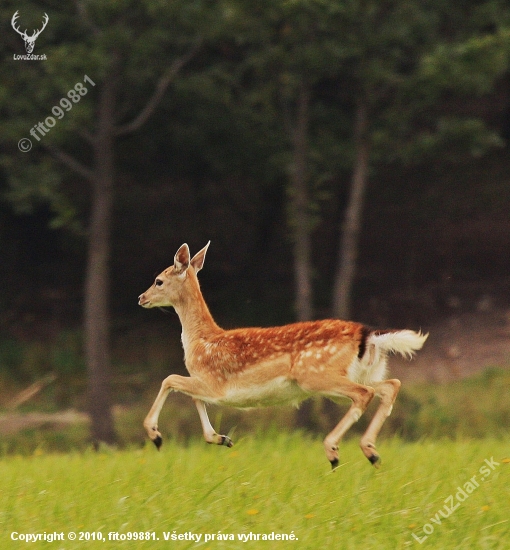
[{"x": 277, "y": 483}]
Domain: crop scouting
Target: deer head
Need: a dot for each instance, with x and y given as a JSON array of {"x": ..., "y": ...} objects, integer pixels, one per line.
[
  {"x": 29, "y": 40},
  {"x": 170, "y": 285}
]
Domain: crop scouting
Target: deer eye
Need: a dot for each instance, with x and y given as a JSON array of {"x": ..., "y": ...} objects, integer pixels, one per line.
[{"x": 158, "y": 282}]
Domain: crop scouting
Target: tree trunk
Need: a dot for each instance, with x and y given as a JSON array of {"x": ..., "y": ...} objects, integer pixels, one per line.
[
  {"x": 300, "y": 223},
  {"x": 351, "y": 227},
  {"x": 97, "y": 313},
  {"x": 102, "y": 177},
  {"x": 300, "y": 216}
]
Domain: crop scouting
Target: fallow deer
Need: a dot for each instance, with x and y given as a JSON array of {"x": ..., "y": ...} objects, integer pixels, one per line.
[{"x": 254, "y": 367}]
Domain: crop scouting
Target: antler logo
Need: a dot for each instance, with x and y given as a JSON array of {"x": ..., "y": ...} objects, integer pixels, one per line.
[{"x": 29, "y": 40}]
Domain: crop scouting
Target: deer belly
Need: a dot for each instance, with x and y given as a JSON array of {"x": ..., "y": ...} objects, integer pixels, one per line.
[{"x": 279, "y": 391}]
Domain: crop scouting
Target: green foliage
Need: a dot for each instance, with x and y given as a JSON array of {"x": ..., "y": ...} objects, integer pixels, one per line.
[
  {"x": 11, "y": 354},
  {"x": 143, "y": 38},
  {"x": 469, "y": 67},
  {"x": 23, "y": 362},
  {"x": 231, "y": 112},
  {"x": 67, "y": 354},
  {"x": 453, "y": 136},
  {"x": 473, "y": 407}
]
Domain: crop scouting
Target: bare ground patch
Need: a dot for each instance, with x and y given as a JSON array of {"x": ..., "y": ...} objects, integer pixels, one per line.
[
  {"x": 460, "y": 346},
  {"x": 14, "y": 422}
]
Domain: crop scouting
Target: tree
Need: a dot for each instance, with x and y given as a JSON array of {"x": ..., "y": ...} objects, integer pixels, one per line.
[
  {"x": 399, "y": 64},
  {"x": 288, "y": 49},
  {"x": 351, "y": 227},
  {"x": 124, "y": 43}
]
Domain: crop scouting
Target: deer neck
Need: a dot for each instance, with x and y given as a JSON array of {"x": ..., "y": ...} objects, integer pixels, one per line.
[{"x": 196, "y": 319}]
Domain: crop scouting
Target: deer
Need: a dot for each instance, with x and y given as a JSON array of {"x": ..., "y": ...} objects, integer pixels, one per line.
[
  {"x": 29, "y": 40},
  {"x": 257, "y": 367}
]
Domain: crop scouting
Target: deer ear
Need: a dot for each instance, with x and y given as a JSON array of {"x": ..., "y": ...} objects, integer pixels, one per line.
[
  {"x": 198, "y": 259},
  {"x": 181, "y": 259}
]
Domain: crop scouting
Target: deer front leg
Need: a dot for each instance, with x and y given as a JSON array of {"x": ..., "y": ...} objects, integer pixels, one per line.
[
  {"x": 151, "y": 420},
  {"x": 210, "y": 434},
  {"x": 190, "y": 386}
]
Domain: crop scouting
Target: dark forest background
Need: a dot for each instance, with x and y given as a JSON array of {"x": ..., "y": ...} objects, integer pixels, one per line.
[{"x": 345, "y": 158}]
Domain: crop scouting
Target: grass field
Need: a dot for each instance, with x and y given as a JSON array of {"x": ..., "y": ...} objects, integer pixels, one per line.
[{"x": 276, "y": 484}]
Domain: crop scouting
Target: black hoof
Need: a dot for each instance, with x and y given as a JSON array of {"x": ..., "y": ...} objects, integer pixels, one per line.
[
  {"x": 226, "y": 441},
  {"x": 375, "y": 460},
  {"x": 334, "y": 463},
  {"x": 158, "y": 442}
]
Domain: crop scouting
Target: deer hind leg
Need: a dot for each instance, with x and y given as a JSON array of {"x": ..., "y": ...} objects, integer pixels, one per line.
[
  {"x": 210, "y": 434},
  {"x": 360, "y": 396},
  {"x": 387, "y": 391},
  {"x": 185, "y": 384}
]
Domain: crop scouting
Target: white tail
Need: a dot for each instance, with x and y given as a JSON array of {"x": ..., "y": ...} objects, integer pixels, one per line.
[
  {"x": 403, "y": 342},
  {"x": 253, "y": 367}
]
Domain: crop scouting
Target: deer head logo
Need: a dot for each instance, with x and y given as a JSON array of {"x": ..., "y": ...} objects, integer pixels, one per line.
[{"x": 29, "y": 40}]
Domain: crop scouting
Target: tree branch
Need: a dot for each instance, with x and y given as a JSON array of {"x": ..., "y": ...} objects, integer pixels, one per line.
[
  {"x": 161, "y": 88},
  {"x": 70, "y": 162}
]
